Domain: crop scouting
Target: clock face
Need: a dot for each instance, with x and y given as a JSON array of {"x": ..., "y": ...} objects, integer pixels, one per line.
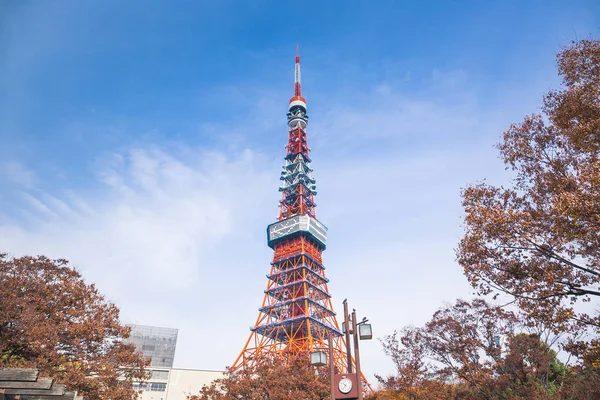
[{"x": 345, "y": 385}]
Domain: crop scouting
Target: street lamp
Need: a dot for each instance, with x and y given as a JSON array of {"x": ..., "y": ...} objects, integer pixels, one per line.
[
  {"x": 318, "y": 358},
  {"x": 349, "y": 383},
  {"x": 364, "y": 330},
  {"x": 344, "y": 328}
]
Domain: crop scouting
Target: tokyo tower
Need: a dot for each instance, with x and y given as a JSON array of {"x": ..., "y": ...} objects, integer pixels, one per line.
[{"x": 296, "y": 315}]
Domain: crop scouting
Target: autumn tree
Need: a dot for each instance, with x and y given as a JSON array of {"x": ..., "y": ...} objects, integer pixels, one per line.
[
  {"x": 530, "y": 369},
  {"x": 584, "y": 382},
  {"x": 50, "y": 319},
  {"x": 471, "y": 350},
  {"x": 277, "y": 379},
  {"x": 459, "y": 344},
  {"x": 538, "y": 240},
  {"x": 429, "y": 390},
  {"x": 414, "y": 378}
]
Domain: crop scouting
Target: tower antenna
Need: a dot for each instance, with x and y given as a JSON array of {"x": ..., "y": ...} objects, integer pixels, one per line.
[{"x": 297, "y": 78}]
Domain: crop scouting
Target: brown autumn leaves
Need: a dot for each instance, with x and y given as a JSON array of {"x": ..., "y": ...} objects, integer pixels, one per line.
[
  {"x": 534, "y": 245},
  {"x": 52, "y": 320},
  {"x": 533, "y": 249},
  {"x": 539, "y": 240},
  {"x": 281, "y": 379}
]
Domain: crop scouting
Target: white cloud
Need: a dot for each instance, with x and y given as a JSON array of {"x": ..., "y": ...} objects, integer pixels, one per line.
[
  {"x": 151, "y": 224},
  {"x": 17, "y": 173},
  {"x": 175, "y": 235}
]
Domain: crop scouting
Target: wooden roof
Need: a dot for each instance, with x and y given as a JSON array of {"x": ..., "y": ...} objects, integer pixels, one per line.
[{"x": 26, "y": 384}]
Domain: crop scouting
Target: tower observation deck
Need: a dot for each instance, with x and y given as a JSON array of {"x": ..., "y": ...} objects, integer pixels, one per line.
[{"x": 296, "y": 315}]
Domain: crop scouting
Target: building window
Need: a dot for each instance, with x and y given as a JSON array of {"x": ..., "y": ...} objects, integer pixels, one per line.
[
  {"x": 158, "y": 387},
  {"x": 137, "y": 386},
  {"x": 160, "y": 374}
]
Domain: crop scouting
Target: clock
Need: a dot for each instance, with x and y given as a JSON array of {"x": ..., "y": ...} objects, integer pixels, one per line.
[{"x": 345, "y": 385}]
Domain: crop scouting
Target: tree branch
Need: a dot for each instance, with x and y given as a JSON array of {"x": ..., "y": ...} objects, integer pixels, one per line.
[{"x": 550, "y": 253}]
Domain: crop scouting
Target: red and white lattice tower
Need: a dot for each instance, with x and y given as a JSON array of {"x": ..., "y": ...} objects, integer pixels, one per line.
[{"x": 296, "y": 315}]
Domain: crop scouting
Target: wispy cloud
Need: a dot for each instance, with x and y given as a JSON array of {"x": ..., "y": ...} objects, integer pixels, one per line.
[
  {"x": 16, "y": 173},
  {"x": 174, "y": 233},
  {"x": 149, "y": 220}
]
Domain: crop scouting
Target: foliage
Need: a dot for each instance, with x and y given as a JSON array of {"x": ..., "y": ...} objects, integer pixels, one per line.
[
  {"x": 459, "y": 354},
  {"x": 278, "y": 379},
  {"x": 429, "y": 390},
  {"x": 539, "y": 240},
  {"x": 458, "y": 343},
  {"x": 530, "y": 369},
  {"x": 52, "y": 320}
]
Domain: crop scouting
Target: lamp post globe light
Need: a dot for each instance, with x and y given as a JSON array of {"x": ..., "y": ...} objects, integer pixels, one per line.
[
  {"x": 345, "y": 386},
  {"x": 364, "y": 331},
  {"x": 318, "y": 358}
]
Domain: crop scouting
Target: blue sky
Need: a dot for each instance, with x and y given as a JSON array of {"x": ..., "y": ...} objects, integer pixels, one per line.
[{"x": 143, "y": 141}]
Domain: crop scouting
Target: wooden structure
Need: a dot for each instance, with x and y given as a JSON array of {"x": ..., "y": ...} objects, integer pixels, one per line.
[{"x": 25, "y": 384}]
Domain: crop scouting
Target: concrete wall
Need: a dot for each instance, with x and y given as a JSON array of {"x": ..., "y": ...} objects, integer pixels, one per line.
[
  {"x": 188, "y": 381},
  {"x": 179, "y": 384}
]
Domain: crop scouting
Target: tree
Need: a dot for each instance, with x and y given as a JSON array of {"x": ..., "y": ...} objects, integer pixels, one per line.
[
  {"x": 584, "y": 382},
  {"x": 278, "y": 379},
  {"x": 50, "y": 319},
  {"x": 539, "y": 240},
  {"x": 530, "y": 369},
  {"x": 429, "y": 390},
  {"x": 408, "y": 352},
  {"x": 458, "y": 345},
  {"x": 471, "y": 350}
]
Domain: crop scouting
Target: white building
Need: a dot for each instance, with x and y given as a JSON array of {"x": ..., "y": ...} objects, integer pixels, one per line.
[
  {"x": 166, "y": 383},
  {"x": 177, "y": 383}
]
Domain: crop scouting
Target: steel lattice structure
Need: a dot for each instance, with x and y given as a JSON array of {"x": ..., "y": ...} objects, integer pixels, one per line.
[{"x": 296, "y": 315}]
